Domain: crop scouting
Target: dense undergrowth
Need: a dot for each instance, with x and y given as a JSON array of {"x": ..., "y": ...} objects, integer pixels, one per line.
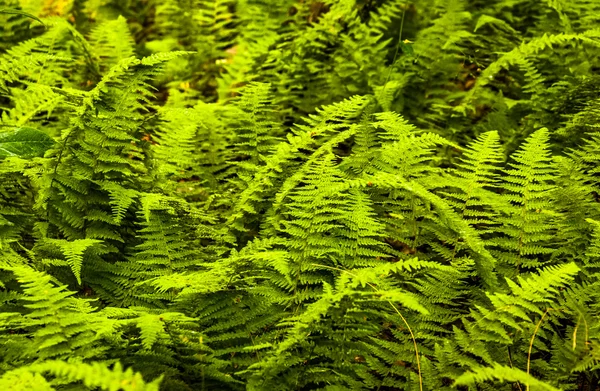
[{"x": 300, "y": 195}]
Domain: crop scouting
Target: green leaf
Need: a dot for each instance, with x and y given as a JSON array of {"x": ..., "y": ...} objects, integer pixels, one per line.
[
  {"x": 503, "y": 373},
  {"x": 74, "y": 251},
  {"x": 19, "y": 12},
  {"x": 24, "y": 142},
  {"x": 487, "y": 19}
]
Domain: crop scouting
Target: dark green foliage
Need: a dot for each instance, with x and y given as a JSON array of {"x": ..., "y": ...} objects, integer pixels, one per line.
[
  {"x": 24, "y": 142},
  {"x": 299, "y": 195}
]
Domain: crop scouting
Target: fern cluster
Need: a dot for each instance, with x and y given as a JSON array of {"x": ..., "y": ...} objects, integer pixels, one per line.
[{"x": 299, "y": 195}]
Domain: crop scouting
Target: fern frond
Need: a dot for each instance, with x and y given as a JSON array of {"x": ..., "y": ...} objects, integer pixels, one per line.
[
  {"x": 528, "y": 222},
  {"x": 95, "y": 375},
  {"x": 503, "y": 373}
]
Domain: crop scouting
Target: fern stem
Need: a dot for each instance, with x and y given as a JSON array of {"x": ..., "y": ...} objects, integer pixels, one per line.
[
  {"x": 397, "y": 49},
  {"x": 537, "y": 327},
  {"x": 511, "y": 365}
]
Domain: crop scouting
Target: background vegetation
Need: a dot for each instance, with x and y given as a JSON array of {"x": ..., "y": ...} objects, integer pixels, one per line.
[{"x": 299, "y": 195}]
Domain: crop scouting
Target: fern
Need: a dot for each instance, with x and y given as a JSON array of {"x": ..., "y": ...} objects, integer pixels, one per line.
[
  {"x": 91, "y": 375},
  {"x": 57, "y": 324},
  {"x": 503, "y": 373},
  {"x": 529, "y": 221},
  {"x": 299, "y": 195}
]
